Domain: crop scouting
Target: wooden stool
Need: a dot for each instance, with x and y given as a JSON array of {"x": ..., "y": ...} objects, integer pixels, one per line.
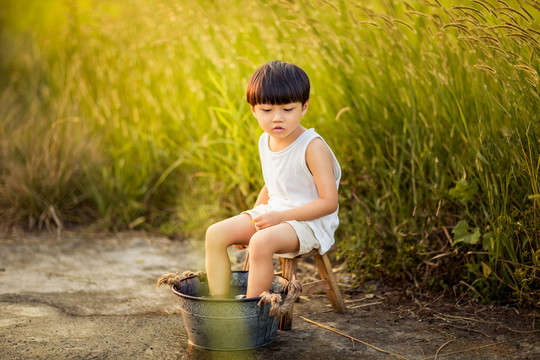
[{"x": 327, "y": 283}]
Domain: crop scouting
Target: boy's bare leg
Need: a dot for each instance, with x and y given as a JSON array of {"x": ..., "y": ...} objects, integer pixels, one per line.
[
  {"x": 263, "y": 245},
  {"x": 234, "y": 231}
]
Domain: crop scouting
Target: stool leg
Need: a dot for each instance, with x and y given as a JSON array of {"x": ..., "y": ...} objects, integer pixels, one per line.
[
  {"x": 288, "y": 268},
  {"x": 326, "y": 273}
]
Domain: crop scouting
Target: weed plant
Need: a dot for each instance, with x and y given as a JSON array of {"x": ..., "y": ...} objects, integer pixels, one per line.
[{"x": 131, "y": 114}]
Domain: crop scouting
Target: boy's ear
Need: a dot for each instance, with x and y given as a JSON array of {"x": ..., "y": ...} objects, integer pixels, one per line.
[
  {"x": 305, "y": 107},
  {"x": 252, "y": 110}
]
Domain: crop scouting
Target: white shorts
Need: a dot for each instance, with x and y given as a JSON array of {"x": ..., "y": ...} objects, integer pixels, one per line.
[{"x": 305, "y": 235}]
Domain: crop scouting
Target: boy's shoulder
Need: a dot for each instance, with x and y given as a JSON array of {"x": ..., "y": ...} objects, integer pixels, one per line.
[{"x": 317, "y": 145}]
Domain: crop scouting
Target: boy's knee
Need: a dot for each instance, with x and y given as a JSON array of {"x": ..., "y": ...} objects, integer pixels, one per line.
[
  {"x": 259, "y": 245},
  {"x": 212, "y": 235}
]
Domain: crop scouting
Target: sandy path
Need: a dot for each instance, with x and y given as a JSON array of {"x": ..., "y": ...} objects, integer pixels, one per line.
[{"x": 96, "y": 297}]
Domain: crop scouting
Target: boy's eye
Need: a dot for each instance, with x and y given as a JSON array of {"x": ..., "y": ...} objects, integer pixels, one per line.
[
  {"x": 266, "y": 110},
  {"x": 289, "y": 109}
]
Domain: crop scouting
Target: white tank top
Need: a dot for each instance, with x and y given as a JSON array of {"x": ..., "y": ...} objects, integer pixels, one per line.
[{"x": 291, "y": 184}]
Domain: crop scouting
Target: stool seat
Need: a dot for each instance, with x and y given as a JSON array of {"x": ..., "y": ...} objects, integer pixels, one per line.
[{"x": 328, "y": 283}]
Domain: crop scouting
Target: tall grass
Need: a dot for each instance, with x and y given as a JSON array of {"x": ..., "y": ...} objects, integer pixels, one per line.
[{"x": 132, "y": 115}]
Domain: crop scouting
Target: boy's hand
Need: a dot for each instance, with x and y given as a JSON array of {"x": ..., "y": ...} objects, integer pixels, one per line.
[{"x": 268, "y": 219}]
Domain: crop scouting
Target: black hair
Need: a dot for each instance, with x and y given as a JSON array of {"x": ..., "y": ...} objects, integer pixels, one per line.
[{"x": 278, "y": 83}]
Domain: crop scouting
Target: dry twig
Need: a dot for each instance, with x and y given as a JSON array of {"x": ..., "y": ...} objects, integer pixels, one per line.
[
  {"x": 353, "y": 339},
  {"x": 468, "y": 349},
  {"x": 364, "y": 305},
  {"x": 443, "y": 345}
]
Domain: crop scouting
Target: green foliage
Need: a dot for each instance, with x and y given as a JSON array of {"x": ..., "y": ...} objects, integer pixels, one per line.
[
  {"x": 132, "y": 114},
  {"x": 463, "y": 235},
  {"x": 463, "y": 191}
]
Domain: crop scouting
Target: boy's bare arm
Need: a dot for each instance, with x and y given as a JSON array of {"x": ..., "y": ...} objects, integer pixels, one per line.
[
  {"x": 319, "y": 162},
  {"x": 263, "y": 197}
]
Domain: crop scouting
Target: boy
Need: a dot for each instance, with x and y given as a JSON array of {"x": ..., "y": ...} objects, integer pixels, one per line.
[{"x": 296, "y": 210}]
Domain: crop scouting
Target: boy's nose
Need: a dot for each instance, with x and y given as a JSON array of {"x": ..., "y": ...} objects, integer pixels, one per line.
[{"x": 277, "y": 116}]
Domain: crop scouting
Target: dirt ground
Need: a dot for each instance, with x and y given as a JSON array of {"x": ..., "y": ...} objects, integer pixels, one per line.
[{"x": 95, "y": 297}]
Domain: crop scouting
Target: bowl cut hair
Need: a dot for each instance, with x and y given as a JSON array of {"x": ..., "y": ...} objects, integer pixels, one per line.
[{"x": 278, "y": 83}]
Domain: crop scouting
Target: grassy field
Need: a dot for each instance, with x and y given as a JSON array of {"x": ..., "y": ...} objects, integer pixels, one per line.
[{"x": 132, "y": 115}]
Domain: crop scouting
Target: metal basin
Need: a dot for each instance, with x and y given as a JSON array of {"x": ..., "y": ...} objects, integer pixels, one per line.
[{"x": 226, "y": 324}]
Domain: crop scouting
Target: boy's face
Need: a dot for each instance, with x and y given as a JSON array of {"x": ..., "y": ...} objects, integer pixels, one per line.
[{"x": 280, "y": 121}]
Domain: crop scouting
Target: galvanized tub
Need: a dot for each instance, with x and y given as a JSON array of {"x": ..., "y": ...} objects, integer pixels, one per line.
[{"x": 226, "y": 324}]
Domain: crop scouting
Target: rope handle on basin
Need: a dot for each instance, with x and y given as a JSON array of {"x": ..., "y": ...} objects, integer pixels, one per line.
[
  {"x": 171, "y": 279},
  {"x": 279, "y": 305}
]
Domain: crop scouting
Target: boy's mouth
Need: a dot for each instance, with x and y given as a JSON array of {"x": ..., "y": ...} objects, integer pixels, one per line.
[{"x": 278, "y": 128}]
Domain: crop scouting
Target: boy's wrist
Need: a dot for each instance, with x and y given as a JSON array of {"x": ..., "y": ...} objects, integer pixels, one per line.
[{"x": 284, "y": 216}]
